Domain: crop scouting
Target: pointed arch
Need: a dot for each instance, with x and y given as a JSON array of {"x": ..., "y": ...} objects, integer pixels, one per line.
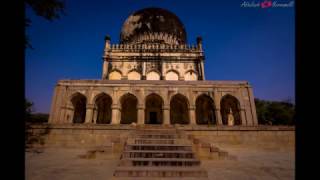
[
  {"x": 129, "y": 109},
  {"x": 205, "y": 110},
  {"x": 79, "y": 102},
  {"x": 179, "y": 109},
  {"x": 153, "y": 75},
  {"x": 102, "y": 110},
  {"x": 134, "y": 75},
  {"x": 230, "y": 102},
  {"x": 115, "y": 74},
  {"x": 172, "y": 75},
  {"x": 153, "y": 110}
]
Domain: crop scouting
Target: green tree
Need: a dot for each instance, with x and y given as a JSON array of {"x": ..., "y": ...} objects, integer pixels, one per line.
[
  {"x": 48, "y": 9},
  {"x": 274, "y": 112}
]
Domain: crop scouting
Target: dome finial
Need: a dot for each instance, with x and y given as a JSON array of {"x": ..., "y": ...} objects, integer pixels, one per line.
[{"x": 107, "y": 37}]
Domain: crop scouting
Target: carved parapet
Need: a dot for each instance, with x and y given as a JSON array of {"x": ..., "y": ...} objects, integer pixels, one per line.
[{"x": 161, "y": 47}]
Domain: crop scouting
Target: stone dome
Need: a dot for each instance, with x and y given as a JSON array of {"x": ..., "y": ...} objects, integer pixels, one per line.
[{"x": 153, "y": 22}]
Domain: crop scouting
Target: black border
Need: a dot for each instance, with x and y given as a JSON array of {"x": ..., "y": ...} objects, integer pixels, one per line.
[{"x": 12, "y": 87}]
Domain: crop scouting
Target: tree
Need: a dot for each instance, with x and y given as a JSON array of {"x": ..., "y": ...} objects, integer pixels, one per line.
[
  {"x": 274, "y": 112},
  {"x": 28, "y": 108},
  {"x": 48, "y": 9}
]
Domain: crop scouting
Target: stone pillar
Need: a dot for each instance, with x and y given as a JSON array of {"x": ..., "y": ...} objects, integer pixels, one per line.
[
  {"x": 105, "y": 69},
  {"x": 116, "y": 114},
  {"x": 106, "y": 56},
  {"x": 95, "y": 115},
  {"x": 144, "y": 71},
  {"x": 218, "y": 116},
  {"x": 141, "y": 113},
  {"x": 192, "y": 115},
  {"x": 68, "y": 115},
  {"x": 253, "y": 108},
  {"x": 202, "y": 70},
  {"x": 243, "y": 117},
  {"x": 162, "y": 77},
  {"x": 166, "y": 114},
  {"x": 89, "y": 113}
]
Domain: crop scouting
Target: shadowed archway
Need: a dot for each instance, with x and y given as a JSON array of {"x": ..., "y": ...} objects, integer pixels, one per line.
[
  {"x": 128, "y": 109},
  {"x": 103, "y": 109},
  {"x": 179, "y": 112},
  {"x": 205, "y": 110},
  {"x": 226, "y": 103},
  {"x": 153, "y": 111},
  {"x": 79, "y": 103}
]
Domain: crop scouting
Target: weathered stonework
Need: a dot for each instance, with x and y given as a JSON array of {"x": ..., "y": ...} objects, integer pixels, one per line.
[
  {"x": 153, "y": 77},
  {"x": 63, "y": 110}
]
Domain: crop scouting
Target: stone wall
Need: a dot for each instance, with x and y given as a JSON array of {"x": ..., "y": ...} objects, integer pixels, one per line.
[{"x": 92, "y": 136}]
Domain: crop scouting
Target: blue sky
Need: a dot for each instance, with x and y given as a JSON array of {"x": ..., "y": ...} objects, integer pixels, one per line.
[{"x": 252, "y": 44}]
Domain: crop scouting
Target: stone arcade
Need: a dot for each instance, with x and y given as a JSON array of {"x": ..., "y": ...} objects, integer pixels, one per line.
[
  {"x": 124, "y": 122},
  {"x": 153, "y": 77}
]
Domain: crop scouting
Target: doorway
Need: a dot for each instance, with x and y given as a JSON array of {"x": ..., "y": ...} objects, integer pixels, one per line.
[{"x": 153, "y": 118}]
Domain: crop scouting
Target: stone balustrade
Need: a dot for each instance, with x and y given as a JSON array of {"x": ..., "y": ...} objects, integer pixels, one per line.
[{"x": 155, "y": 46}]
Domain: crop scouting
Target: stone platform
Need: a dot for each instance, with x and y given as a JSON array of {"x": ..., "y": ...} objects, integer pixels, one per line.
[{"x": 69, "y": 152}]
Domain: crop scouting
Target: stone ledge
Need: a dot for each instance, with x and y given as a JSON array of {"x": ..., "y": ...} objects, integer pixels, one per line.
[{"x": 180, "y": 127}]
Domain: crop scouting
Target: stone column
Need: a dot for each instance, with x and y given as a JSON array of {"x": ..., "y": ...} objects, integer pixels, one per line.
[
  {"x": 162, "y": 71},
  {"x": 89, "y": 113},
  {"x": 141, "y": 109},
  {"x": 243, "y": 117},
  {"x": 144, "y": 71},
  {"x": 166, "y": 114},
  {"x": 95, "y": 115},
  {"x": 202, "y": 69},
  {"x": 106, "y": 56},
  {"x": 192, "y": 115},
  {"x": 218, "y": 116},
  {"x": 105, "y": 69},
  {"x": 116, "y": 114},
  {"x": 68, "y": 115},
  {"x": 253, "y": 108}
]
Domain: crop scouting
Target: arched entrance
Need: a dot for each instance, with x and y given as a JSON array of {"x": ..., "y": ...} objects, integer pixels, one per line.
[
  {"x": 226, "y": 103},
  {"x": 79, "y": 102},
  {"x": 128, "y": 109},
  {"x": 179, "y": 113},
  {"x": 103, "y": 109},
  {"x": 205, "y": 110},
  {"x": 153, "y": 111}
]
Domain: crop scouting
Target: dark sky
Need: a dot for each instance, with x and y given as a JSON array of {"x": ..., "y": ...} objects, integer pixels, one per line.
[{"x": 252, "y": 44}]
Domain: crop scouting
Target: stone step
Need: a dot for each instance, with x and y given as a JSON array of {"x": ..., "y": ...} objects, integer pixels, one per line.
[
  {"x": 137, "y": 151},
  {"x": 159, "y": 162},
  {"x": 158, "y": 141},
  {"x": 159, "y": 147},
  {"x": 157, "y": 136},
  {"x": 158, "y": 154},
  {"x": 160, "y": 172},
  {"x": 150, "y": 161}
]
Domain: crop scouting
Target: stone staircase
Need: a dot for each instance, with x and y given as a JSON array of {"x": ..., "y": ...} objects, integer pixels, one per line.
[{"x": 159, "y": 153}]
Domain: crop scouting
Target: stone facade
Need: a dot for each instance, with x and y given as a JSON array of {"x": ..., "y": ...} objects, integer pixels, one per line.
[
  {"x": 153, "y": 77},
  {"x": 165, "y": 93}
]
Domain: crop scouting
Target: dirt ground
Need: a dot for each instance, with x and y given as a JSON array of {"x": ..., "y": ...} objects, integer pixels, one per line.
[{"x": 76, "y": 164}]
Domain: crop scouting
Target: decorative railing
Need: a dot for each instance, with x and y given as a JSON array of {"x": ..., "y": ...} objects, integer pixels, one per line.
[{"x": 154, "y": 46}]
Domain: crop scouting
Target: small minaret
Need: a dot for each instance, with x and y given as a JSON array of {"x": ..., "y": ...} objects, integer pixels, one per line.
[
  {"x": 106, "y": 57},
  {"x": 199, "y": 45},
  {"x": 199, "y": 42}
]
